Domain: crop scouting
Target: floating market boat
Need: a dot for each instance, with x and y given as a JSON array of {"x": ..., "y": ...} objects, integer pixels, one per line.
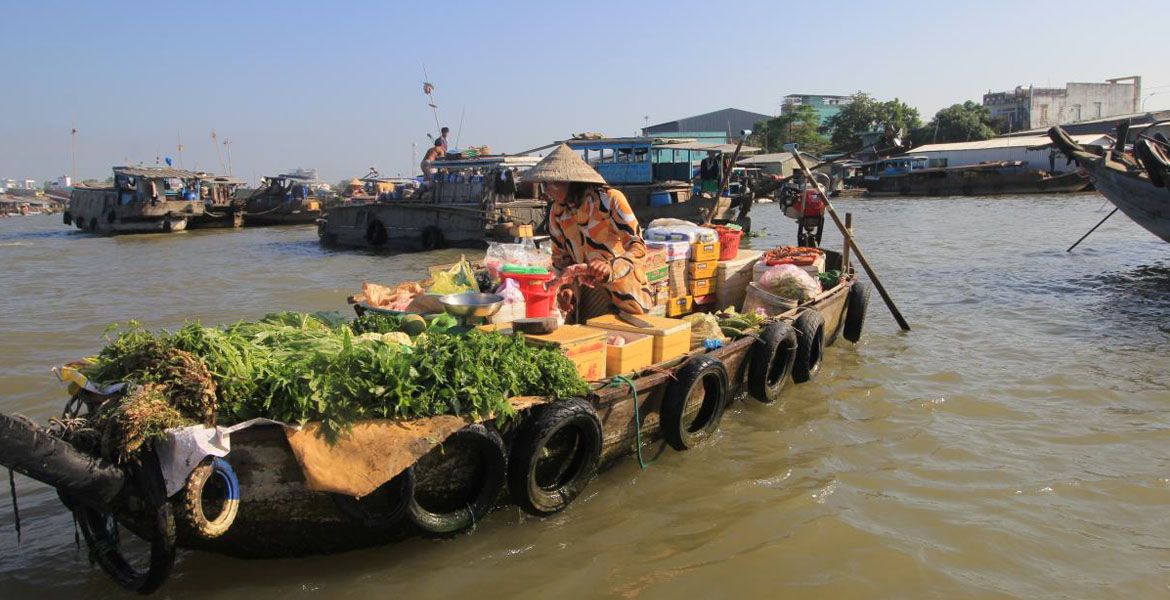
[
  {"x": 1136, "y": 185},
  {"x": 472, "y": 200},
  {"x": 1004, "y": 177},
  {"x": 141, "y": 200},
  {"x": 221, "y": 208},
  {"x": 273, "y": 490},
  {"x": 286, "y": 199}
]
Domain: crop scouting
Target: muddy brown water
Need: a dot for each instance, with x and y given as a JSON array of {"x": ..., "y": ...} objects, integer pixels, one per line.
[{"x": 1015, "y": 444}]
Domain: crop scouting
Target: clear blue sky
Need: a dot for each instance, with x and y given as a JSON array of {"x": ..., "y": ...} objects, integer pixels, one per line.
[{"x": 337, "y": 85}]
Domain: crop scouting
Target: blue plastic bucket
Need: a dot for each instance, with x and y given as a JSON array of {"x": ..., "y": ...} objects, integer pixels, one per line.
[{"x": 660, "y": 199}]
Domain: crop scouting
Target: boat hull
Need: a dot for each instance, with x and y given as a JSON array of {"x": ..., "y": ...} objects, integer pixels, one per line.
[
  {"x": 1135, "y": 196},
  {"x": 984, "y": 184}
]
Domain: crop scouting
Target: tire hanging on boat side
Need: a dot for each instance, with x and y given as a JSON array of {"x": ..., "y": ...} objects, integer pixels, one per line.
[
  {"x": 100, "y": 530},
  {"x": 382, "y": 509},
  {"x": 855, "y": 311},
  {"x": 432, "y": 238},
  {"x": 458, "y": 516},
  {"x": 810, "y": 345},
  {"x": 771, "y": 363},
  {"x": 554, "y": 456},
  {"x": 704, "y": 374},
  {"x": 193, "y": 518},
  {"x": 376, "y": 233}
]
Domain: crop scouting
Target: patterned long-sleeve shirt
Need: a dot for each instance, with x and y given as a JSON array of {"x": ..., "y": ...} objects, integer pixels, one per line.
[{"x": 604, "y": 228}]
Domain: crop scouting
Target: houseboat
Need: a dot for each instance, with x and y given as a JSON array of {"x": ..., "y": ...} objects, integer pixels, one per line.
[
  {"x": 469, "y": 201},
  {"x": 286, "y": 199},
  {"x": 140, "y": 200},
  {"x": 1003, "y": 177}
]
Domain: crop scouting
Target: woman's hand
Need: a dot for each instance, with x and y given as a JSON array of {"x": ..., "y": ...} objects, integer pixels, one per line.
[
  {"x": 565, "y": 300},
  {"x": 600, "y": 269}
]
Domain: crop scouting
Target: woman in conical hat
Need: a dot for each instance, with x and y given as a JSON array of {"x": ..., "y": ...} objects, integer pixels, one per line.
[{"x": 593, "y": 226}]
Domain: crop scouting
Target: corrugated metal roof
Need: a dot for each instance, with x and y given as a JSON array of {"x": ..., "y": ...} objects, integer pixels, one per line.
[
  {"x": 725, "y": 148},
  {"x": 1006, "y": 142},
  {"x": 156, "y": 172},
  {"x": 778, "y": 157},
  {"x": 730, "y": 120}
]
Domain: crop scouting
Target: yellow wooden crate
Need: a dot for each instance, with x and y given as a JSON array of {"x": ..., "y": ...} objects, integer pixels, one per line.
[
  {"x": 585, "y": 346},
  {"x": 704, "y": 251},
  {"x": 637, "y": 353},
  {"x": 672, "y": 337},
  {"x": 701, "y": 287},
  {"x": 679, "y": 306},
  {"x": 704, "y": 269}
]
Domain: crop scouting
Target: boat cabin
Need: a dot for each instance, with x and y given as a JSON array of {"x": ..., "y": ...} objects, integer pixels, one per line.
[{"x": 141, "y": 199}]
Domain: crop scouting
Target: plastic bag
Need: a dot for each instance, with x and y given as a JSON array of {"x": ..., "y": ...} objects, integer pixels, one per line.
[
  {"x": 789, "y": 281},
  {"x": 704, "y": 326},
  {"x": 513, "y": 307},
  {"x": 456, "y": 280},
  {"x": 494, "y": 258}
]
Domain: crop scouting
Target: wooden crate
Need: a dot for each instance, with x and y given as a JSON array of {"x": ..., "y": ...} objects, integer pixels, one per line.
[
  {"x": 701, "y": 287},
  {"x": 657, "y": 274},
  {"x": 678, "y": 306},
  {"x": 637, "y": 353},
  {"x": 732, "y": 278},
  {"x": 672, "y": 337},
  {"x": 704, "y": 269},
  {"x": 585, "y": 346},
  {"x": 704, "y": 251}
]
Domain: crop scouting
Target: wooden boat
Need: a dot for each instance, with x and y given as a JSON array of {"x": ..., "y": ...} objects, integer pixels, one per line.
[
  {"x": 1138, "y": 187},
  {"x": 141, "y": 200},
  {"x": 1006, "y": 177},
  {"x": 547, "y": 455},
  {"x": 287, "y": 199},
  {"x": 471, "y": 201},
  {"x": 221, "y": 208}
]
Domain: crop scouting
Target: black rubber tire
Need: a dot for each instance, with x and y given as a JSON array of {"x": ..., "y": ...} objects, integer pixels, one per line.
[
  {"x": 93, "y": 223},
  {"x": 376, "y": 234},
  {"x": 855, "y": 311},
  {"x": 490, "y": 447},
  {"x": 193, "y": 518},
  {"x": 67, "y": 218},
  {"x": 703, "y": 374},
  {"x": 810, "y": 345},
  {"x": 536, "y": 455},
  {"x": 101, "y": 535},
  {"x": 382, "y": 509},
  {"x": 431, "y": 238},
  {"x": 771, "y": 362}
]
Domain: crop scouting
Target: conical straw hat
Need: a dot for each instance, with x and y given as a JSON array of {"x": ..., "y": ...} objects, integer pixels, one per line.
[{"x": 563, "y": 165}]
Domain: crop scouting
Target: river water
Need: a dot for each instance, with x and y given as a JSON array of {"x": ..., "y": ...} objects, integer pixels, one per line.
[{"x": 1015, "y": 444}]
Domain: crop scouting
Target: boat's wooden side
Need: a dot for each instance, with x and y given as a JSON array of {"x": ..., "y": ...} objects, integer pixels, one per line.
[
  {"x": 97, "y": 210},
  {"x": 418, "y": 224},
  {"x": 977, "y": 183}
]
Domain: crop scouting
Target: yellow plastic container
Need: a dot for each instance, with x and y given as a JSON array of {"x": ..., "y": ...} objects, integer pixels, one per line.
[
  {"x": 672, "y": 337},
  {"x": 704, "y": 251},
  {"x": 702, "y": 269},
  {"x": 585, "y": 346},
  {"x": 637, "y": 353},
  {"x": 701, "y": 287}
]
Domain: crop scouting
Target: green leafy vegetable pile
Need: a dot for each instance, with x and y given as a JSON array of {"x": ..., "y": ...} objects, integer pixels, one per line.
[{"x": 298, "y": 368}]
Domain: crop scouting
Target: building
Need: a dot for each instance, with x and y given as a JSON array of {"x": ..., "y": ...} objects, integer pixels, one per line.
[
  {"x": 826, "y": 106},
  {"x": 1039, "y": 108},
  {"x": 729, "y": 121},
  {"x": 779, "y": 163},
  {"x": 1034, "y": 151}
]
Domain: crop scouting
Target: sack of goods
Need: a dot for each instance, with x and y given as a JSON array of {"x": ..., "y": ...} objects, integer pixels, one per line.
[{"x": 789, "y": 281}]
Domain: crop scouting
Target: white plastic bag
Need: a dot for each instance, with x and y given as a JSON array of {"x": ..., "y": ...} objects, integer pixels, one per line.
[
  {"x": 789, "y": 281},
  {"x": 513, "y": 307}
]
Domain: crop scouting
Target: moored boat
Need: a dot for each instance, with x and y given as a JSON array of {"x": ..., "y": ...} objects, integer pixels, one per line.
[
  {"x": 1004, "y": 177},
  {"x": 221, "y": 208},
  {"x": 1136, "y": 186},
  {"x": 140, "y": 200},
  {"x": 265, "y": 497},
  {"x": 286, "y": 199}
]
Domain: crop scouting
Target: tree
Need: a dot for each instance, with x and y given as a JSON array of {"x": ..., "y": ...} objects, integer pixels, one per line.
[
  {"x": 863, "y": 114},
  {"x": 797, "y": 126},
  {"x": 964, "y": 122}
]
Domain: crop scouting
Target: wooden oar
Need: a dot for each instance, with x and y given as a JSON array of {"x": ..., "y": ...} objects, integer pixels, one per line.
[
  {"x": 849, "y": 241},
  {"x": 1070, "y": 248}
]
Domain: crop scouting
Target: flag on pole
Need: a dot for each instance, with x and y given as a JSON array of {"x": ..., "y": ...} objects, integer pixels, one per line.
[{"x": 428, "y": 88}]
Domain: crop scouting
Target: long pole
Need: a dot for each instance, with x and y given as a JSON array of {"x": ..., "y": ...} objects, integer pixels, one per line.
[
  {"x": 227, "y": 143},
  {"x": 218, "y": 154},
  {"x": 73, "y": 152},
  {"x": 1070, "y": 248},
  {"x": 723, "y": 182},
  {"x": 848, "y": 235},
  {"x": 179, "y": 141}
]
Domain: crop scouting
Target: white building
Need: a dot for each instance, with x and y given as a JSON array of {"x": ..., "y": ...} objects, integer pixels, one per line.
[
  {"x": 1039, "y": 108},
  {"x": 1032, "y": 150}
]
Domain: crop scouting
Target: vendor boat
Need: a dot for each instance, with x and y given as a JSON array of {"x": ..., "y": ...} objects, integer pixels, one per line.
[
  {"x": 269, "y": 496},
  {"x": 221, "y": 208},
  {"x": 1003, "y": 177},
  {"x": 287, "y": 199},
  {"x": 471, "y": 201},
  {"x": 1136, "y": 185},
  {"x": 141, "y": 200}
]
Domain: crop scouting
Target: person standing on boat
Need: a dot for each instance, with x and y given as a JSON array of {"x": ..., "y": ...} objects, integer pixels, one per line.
[
  {"x": 436, "y": 151},
  {"x": 443, "y": 139},
  {"x": 709, "y": 172},
  {"x": 596, "y": 240}
]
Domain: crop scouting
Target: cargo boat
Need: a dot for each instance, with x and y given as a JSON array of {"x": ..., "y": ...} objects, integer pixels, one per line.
[
  {"x": 287, "y": 199},
  {"x": 140, "y": 200},
  {"x": 1004, "y": 177},
  {"x": 540, "y": 460},
  {"x": 221, "y": 208}
]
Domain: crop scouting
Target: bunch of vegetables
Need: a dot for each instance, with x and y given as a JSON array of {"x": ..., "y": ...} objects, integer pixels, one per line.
[
  {"x": 735, "y": 324},
  {"x": 298, "y": 368}
]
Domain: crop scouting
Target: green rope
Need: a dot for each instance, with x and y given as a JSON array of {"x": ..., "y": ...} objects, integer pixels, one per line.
[{"x": 617, "y": 381}]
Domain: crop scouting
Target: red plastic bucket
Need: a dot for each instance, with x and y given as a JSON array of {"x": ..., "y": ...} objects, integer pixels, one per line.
[
  {"x": 728, "y": 241},
  {"x": 537, "y": 300}
]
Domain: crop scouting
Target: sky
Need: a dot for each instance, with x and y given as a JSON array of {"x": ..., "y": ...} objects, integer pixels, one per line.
[{"x": 337, "y": 85}]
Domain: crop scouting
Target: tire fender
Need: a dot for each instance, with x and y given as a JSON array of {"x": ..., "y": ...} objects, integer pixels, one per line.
[
  {"x": 704, "y": 374},
  {"x": 546, "y": 424},
  {"x": 490, "y": 447},
  {"x": 382, "y": 509},
  {"x": 771, "y": 363},
  {"x": 855, "y": 309},
  {"x": 192, "y": 517},
  {"x": 431, "y": 238},
  {"x": 810, "y": 345}
]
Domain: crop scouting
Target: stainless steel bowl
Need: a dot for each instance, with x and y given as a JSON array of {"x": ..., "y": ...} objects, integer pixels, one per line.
[{"x": 472, "y": 304}]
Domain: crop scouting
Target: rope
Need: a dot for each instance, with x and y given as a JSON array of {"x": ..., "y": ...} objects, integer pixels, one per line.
[
  {"x": 615, "y": 382},
  {"x": 15, "y": 508}
]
